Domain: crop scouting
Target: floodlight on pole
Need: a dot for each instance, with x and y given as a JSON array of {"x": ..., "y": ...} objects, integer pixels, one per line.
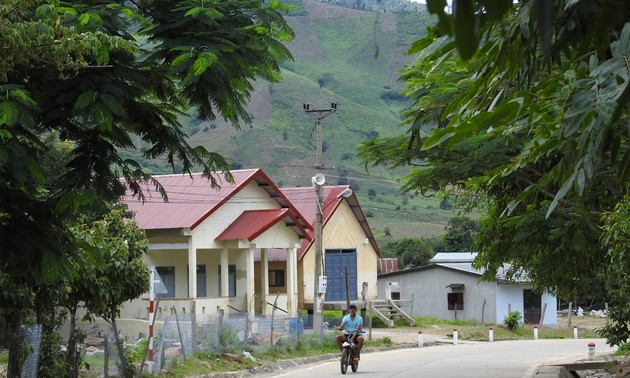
[{"x": 345, "y": 193}]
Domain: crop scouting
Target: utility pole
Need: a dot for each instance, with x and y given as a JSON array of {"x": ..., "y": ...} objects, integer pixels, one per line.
[{"x": 318, "y": 183}]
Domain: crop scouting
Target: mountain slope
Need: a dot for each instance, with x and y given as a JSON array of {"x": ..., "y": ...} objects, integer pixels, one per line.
[{"x": 342, "y": 55}]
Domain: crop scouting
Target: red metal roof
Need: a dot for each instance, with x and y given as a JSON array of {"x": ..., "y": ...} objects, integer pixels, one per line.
[
  {"x": 251, "y": 223},
  {"x": 303, "y": 198},
  {"x": 191, "y": 199},
  {"x": 387, "y": 265}
]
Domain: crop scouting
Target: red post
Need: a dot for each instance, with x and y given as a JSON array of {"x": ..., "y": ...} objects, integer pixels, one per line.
[{"x": 151, "y": 315}]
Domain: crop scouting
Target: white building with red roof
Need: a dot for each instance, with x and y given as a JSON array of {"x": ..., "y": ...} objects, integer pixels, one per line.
[{"x": 202, "y": 241}]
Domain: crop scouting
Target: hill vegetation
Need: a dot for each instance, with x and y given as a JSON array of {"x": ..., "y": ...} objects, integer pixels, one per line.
[{"x": 350, "y": 54}]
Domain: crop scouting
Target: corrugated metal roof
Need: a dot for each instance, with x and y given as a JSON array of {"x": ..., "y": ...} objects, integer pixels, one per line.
[
  {"x": 462, "y": 267},
  {"x": 273, "y": 254},
  {"x": 251, "y": 223},
  {"x": 191, "y": 199},
  {"x": 303, "y": 198},
  {"x": 454, "y": 257},
  {"x": 387, "y": 265}
]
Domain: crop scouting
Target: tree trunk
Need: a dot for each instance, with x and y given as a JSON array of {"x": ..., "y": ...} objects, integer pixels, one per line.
[
  {"x": 72, "y": 359},
  {"x": 17, "y": 348},
  {"x": 122, "y": 367}
]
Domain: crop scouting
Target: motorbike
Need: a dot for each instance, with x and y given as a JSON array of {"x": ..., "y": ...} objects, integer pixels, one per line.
[{"x": 348, "y": 353}]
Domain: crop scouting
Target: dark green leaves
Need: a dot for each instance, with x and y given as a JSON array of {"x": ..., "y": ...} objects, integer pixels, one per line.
[
  {"x": 465, "y": 29},
  {"x": 465, "y": 23}
]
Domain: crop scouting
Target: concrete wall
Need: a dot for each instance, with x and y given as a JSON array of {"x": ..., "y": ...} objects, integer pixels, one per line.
[
  {"x": 428, "y": 288},
  {"x": 251, "y": 197},
  {"x": 511, "y": 296},
  {"x": 342, "y": 231}
]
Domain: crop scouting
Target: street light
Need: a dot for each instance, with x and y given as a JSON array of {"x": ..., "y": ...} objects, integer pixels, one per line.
[{"x": 347, "y": 192}]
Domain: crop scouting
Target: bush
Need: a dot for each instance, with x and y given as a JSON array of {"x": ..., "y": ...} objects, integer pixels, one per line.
[
  {"x": 623, "y": 349},
  {"x": 513, "y": 320}
]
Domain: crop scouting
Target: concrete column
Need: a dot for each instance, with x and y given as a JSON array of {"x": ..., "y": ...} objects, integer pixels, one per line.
[
  {"x": 225, "y": 273},
  {"x": 192, "y": 269},
  {"x": 264, "y": 280},
  {"x": 292, "y": 277},
  {"x": 251, "y": 314}
]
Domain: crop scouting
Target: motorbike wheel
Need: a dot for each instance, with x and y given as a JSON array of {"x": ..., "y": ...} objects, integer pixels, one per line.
[
  {"x": 353, "y": 366},
  {"x": 345, "y": 355}
]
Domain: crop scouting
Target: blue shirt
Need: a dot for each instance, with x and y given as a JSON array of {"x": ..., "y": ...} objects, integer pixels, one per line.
[{"x": 353, "y": 325}]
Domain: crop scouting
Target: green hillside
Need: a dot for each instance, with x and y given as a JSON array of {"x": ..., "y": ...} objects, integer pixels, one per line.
[{"x": 350, "y": 57}]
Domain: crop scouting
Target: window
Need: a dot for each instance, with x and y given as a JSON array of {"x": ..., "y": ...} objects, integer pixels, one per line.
[
  {"x": 455, "y": 301},
  {"x": 276, "y": 278},
  {"x": 167, "y": 274},
  {"x": 231, "y": 280},
  {"x": 201, "y": 281}
]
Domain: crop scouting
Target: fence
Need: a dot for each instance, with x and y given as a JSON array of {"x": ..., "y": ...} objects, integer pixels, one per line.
[
  {"x": 33, "y": 337},
  {"x": 180, "y": 337}
]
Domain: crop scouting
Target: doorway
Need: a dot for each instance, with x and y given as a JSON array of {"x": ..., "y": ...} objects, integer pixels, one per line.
[{"x": 531, "y": 306}]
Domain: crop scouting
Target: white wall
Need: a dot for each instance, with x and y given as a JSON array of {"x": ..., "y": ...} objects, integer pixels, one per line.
[
  {"x": 551, "y": 313},
  {"x": 509, "y": 298},
  {"x": 251, "y": 197},
  {"x": 428, "y": 289},
  {"x": 512, "y": 294}
]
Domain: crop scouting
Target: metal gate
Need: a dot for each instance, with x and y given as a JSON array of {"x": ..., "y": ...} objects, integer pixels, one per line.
[{"x": 336, "y": 262}]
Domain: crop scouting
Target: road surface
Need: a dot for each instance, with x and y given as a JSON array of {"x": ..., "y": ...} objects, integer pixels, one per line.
[{"x": 505, "y": 359}]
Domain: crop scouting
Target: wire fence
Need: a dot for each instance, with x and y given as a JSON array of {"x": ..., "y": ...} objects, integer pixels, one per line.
[
  {"x": 33, "y": 337},
  {"x": 180, "y": 337}
]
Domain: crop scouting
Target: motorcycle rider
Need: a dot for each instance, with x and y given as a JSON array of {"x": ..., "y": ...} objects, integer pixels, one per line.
[{"x": 353, "y": 323}]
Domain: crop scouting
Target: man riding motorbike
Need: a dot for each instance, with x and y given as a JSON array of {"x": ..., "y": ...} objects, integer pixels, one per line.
[{"x": 353, "y": 324}]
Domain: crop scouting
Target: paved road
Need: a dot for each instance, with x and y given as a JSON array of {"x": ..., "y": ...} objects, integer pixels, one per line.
[{"x": 505, "y": 359}]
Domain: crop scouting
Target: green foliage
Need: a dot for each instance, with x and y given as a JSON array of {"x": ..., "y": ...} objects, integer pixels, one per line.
[
  {"x": 616, "y": 241},
  {"x": 513, "y": 320},
  {"x": 532, "y": 126},
  {"x": 136, "y": 352},
  {"x": 72, "y": 71},
  {"x": 460, "y": 234},
  {"x": 410, "y": 252},
  {"x": 623, "y": 349}
]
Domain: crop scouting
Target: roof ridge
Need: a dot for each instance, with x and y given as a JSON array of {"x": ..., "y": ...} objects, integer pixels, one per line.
[{"x": 201, "y": 173}]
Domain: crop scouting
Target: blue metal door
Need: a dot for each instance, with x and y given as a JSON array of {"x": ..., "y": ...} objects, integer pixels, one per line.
[{"x": 336, "y": 262}]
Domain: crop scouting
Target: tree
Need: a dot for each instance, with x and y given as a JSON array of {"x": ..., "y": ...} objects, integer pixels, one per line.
[
  {"x": 83, "y": 71},
  {"x": 532, "y": 125},
  {"x": 119, "y": 275},
  {"x": 616, "y": 240},
  {"x": 411, "y": 252},
  {"x": 460, "y": 234}
]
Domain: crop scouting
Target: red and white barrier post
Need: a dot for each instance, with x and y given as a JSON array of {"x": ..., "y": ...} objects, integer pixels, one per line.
[
  {"x": 150, "y": 361},
  {"x": 591, "y": 350},
  {"x": 490, "y": 334},
  {"x": 420, "y": 339}
]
